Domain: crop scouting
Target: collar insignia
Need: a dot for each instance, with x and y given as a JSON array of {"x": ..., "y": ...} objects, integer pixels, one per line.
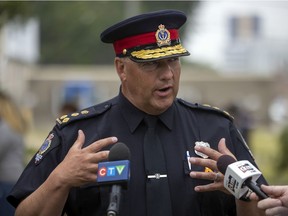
[{"x": 162, "y": 36}]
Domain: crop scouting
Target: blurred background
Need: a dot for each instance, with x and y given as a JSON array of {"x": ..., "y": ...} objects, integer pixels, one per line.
[{"x": 52, "y": 60}]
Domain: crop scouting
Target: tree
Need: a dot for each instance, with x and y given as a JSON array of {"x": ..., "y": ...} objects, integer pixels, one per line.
[
  {"x": 10, "y": 10},
  {"x": 70, "y": 31}
]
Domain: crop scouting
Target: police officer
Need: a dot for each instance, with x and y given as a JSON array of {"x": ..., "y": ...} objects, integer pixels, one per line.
[{"x": 61, "y": 178}]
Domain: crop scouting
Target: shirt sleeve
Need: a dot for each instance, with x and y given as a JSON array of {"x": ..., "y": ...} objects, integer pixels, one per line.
[{"x": 38, "y": 169}]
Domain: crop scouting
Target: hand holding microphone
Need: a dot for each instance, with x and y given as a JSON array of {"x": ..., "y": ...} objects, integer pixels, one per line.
[
  {"x": 240, "y": 176},
  {"x": 220, "y": 160},
  {"x": 277, "y": 204}
]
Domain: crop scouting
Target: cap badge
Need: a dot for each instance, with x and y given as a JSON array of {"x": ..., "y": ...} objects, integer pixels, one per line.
[{"x": 162, "y": 36}]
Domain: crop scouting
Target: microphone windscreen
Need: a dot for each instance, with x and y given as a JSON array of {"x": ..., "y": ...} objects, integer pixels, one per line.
[
  {"x": 223, "y": 162},
  {"x": 119, "y": 151}
]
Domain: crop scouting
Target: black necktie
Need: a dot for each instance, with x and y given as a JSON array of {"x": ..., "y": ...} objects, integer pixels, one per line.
[{"x": 157, "y": 188}]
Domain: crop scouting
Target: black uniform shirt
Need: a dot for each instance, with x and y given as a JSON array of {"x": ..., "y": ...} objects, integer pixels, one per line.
[{"x": 181, "y": 126}]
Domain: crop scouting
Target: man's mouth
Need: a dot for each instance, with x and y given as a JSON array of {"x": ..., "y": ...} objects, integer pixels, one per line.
[{"x": 164, "y": 89}]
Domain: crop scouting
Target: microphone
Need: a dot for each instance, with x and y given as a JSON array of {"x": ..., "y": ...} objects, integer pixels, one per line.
[
  {"x": 239, "y": 176},
  {"x": 115, "y": 172}
]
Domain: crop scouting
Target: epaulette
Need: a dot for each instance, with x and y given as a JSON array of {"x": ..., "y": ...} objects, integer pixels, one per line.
[
  {"x": 206, "y": 107},
  {"x": 83, "y": 114}
]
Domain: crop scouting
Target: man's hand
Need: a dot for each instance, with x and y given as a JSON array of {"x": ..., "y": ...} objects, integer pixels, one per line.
[
  {"x": 277, "y": 204},
  {"x": 211, "y": 164},
  {"x": 78, "y": 168},
  {"x": 80, "y": 165}
]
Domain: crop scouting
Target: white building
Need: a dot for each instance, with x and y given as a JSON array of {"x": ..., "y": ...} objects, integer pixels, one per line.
[{"x": 239, "y": 36}]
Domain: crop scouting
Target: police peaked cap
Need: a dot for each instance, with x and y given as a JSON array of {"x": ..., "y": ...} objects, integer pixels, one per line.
[{"x": 148, "y": 37}]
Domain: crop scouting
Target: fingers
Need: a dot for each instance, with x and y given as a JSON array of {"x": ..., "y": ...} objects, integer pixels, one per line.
[
  {"x": 209, "y": 187},
  {"x": 269, "y": 203},
  {"x": 204, "y": 163},
  {"x": 277, "y": 211},
  {"x": 254, "y": 197},
  {"x": 272, "y": 207},
  {"x": 80, "y": 165},
  {"x": 211, "y": 153},
  {"x": 210, "y": 163},
  {"x": 223, "y": 148},
  {"x": 80, "y": 140},
  {"x": 274, "y": 191},
  {"x": 93, "y": 147},
  {"x": 99, "y": 144},
  {"x": 216, "y": 185},
  {"x": 213, "y": 176}
]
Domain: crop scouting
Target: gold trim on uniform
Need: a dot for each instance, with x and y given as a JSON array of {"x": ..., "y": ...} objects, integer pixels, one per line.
[
  {"x": 216, "y": 108},
  {"x": 65, "y": 120},
  {"x": 160, "y": 52},
  {"x": 84, "y": 112},
  {"x": 63, "y": 117},
  {"x": 206, "y": 105},
  {"x": 74, "y": 114},
  {"x": 227, "y": 113}
]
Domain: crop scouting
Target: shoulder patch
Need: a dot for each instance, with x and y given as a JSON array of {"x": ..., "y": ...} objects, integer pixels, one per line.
[
  {"x": 83, "y": 114},
  {"x": 206, "y": 107}
]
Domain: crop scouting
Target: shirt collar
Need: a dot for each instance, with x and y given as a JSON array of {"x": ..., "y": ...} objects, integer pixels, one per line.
[{"x": 133, "y": 116}]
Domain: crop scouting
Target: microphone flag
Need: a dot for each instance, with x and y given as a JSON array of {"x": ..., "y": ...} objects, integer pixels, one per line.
[
  {"x": 236, "y": 175},
  {"x": 113, "y": 172}
]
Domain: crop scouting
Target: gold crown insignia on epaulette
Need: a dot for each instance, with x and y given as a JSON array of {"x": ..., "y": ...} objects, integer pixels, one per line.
[
  {"x": 67, "y": 118},
  {"x": 218, "y": 109}
]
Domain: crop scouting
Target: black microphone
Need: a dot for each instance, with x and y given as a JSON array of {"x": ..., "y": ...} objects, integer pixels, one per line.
[
  {"x": 117, "y": 173},
  {"x": 239, "y": 176}
]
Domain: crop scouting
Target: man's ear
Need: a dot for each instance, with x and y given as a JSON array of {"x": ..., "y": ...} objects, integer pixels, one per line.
[{"x": 120, "y": 68}]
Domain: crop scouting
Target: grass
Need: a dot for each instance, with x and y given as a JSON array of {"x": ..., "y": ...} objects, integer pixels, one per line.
[{"x": 265, "y": 146}]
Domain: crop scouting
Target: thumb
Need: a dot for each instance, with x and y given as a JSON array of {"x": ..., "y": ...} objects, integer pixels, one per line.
[
  {"x": 223, "y": 148},
  {"x": 80, "y": 140},
  {"x": 273, "y": 191}
]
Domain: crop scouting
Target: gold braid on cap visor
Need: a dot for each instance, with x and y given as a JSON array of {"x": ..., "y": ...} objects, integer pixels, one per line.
[{"x": 159, "y": 52}]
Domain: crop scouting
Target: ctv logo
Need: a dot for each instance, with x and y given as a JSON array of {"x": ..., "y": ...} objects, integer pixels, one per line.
[
  {"x": 111, "y": 170},
  {"x": 246, "y": 168}
]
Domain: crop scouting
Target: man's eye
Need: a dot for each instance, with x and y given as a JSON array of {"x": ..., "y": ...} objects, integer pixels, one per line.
[
  {"x": 150, "y": 63},
  {"x": 174, "y": 59}
]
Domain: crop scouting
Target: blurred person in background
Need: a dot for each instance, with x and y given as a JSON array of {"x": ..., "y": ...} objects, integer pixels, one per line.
[
  {"x": 12, "y": 148},
  {"x": 277, "y": 204},
  {"x": 242, "y": 119},
  {"x": 67, "y": 108}
]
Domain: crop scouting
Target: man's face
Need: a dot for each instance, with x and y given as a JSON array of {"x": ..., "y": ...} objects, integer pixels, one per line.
[{"x": 150, "y": 86}]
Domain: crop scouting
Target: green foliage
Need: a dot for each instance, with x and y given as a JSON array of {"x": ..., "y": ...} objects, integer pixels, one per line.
[
  {"x": 283, "y": 149},
  {"x": 71, "y": 34},
  {"x": 70, "y": 30},
  {"x": 9, "y": 10}
]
